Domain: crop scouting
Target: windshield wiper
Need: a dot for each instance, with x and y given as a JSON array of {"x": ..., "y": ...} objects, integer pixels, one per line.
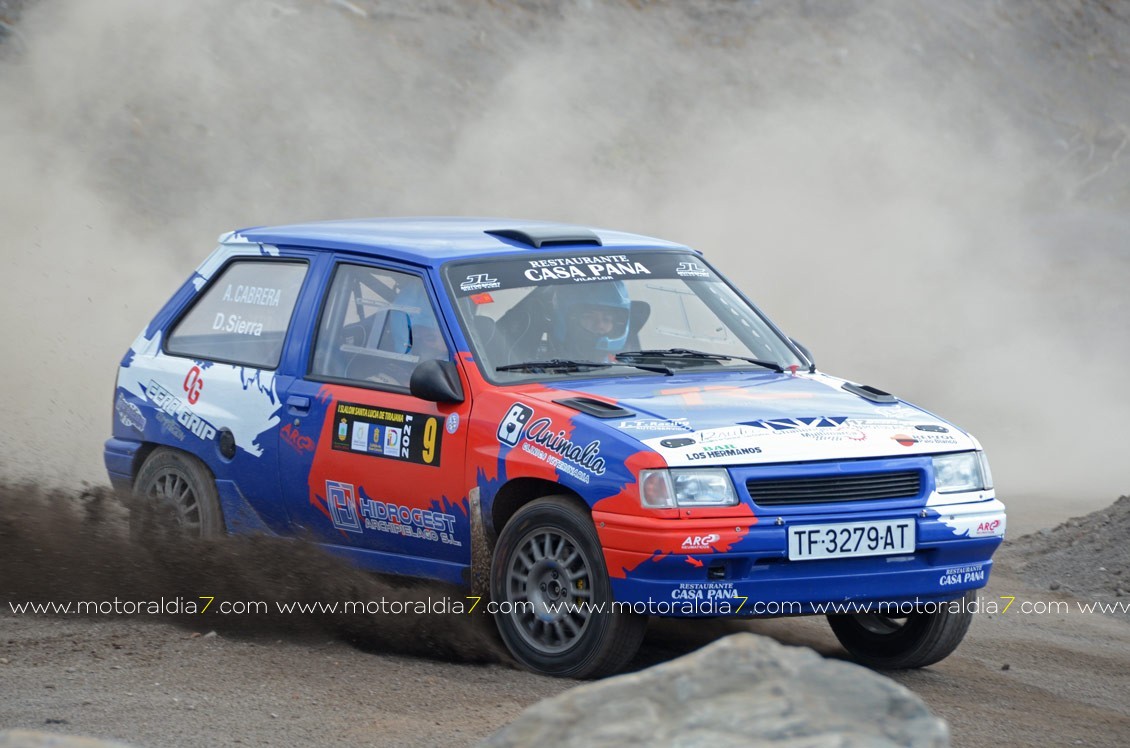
[
  {"x": 571, "y": 365},
  {"x": 686, "y": 353}
]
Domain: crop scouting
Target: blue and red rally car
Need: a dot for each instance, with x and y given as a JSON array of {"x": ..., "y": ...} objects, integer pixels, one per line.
[{"x": 633, "y": 436}]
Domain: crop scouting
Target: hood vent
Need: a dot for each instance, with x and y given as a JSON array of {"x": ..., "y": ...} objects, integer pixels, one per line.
[
  {"x": 595, "y": 408},
  {"x": 867, "y": 392}
]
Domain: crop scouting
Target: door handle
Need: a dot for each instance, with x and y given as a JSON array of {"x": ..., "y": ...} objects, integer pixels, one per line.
[{"x": 298, "y": 405}]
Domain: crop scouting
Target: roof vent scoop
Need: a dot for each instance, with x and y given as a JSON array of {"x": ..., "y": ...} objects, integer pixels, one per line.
[{"x": 543, "y": 236}]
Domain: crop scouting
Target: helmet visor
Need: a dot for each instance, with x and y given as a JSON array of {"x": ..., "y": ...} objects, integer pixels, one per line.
[{"x": 602, "y": 321}]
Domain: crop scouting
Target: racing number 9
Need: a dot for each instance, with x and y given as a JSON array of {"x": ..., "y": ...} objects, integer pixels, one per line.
[{"x": 430, "y": 430}]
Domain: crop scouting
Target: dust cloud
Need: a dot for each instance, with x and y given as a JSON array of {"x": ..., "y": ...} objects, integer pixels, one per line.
[
  {"x": 65, "y": 548},
  {"x": 930, "y": 196}
]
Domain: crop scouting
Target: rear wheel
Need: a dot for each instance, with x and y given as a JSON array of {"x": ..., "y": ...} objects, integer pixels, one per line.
[
  {"x": 550, "y": 583},
  {"x": 896, "y": 642},
  {"x": 175, "y": 493}
]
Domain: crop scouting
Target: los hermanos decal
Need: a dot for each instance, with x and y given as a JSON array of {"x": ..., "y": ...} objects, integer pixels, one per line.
[{"x": 393, "y": 434}]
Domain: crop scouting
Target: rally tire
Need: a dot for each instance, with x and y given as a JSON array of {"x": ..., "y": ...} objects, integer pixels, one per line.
[
  {"x": 175, "y": 494},
  {"x": 918, "y": 640},
  {"x": 549, "y": 553}
]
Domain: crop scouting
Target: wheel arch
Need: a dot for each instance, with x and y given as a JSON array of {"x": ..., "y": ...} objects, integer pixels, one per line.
[
  {"x": 146, "y": 450},
  {"x": 197, "y": 470},
  {"x": 140, "y": 457},
  {"x": 518, "y": 492}
]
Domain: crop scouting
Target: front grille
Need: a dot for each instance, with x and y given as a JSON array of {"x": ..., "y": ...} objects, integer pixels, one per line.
[{"x": 785, "y": 491}]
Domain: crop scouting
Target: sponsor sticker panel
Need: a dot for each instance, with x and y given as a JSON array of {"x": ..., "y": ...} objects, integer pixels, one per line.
[{"x": 387, "y": 433}]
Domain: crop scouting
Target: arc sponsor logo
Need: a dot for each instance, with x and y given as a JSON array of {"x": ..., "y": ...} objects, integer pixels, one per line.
[
  {"x": 298, "y": 442},
  {"x": 700, "y": 542},
  {"x": 988, "y": 528}
]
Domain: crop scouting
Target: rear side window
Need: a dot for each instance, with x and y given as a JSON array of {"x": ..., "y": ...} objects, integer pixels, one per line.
[
  {"x": 376, "y": 326},
  {"x": 243, "y": 316}
]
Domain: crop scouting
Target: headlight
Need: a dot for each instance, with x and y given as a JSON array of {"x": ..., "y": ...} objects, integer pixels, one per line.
[
  {"x": 965, "y": 471},
  {"x": 665, "y": 489}
]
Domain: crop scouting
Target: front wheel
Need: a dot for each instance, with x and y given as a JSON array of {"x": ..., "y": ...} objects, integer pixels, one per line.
[
  {"x": 916, "y": 640},
  {"x": 550, "y": 583}
]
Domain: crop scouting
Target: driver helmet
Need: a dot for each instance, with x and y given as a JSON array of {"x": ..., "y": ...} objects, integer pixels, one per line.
[{"x": 592, "y": 319}]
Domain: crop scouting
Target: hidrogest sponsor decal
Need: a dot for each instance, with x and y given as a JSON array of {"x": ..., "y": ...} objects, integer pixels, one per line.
[{"x": 351, "y": 511}]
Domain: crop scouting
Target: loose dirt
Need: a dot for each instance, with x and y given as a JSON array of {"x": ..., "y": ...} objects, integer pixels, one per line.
[{"x": 1041, "y": 671}]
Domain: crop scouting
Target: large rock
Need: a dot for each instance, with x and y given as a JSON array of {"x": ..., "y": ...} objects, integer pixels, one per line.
[{"x": 742, "y": 690}]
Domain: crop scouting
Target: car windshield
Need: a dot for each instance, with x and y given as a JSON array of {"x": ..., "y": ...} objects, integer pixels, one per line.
[{"x": 552, "y": 316}]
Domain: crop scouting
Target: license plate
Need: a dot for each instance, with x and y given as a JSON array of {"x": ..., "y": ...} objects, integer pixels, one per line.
[{"x": 880, "y": 538}]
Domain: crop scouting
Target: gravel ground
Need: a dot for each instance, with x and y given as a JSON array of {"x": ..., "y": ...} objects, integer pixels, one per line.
[
  {"x": 1087, "y": 556},
  {"x": 1017, "y": 680},
  {"x": 1021, "y": 675}
]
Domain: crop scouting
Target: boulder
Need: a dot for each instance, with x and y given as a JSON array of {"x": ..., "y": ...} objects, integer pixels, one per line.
[{"x": 742, "y": 690}]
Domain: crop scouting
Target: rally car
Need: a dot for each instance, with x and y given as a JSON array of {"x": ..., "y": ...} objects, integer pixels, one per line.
[{"x": 626, "y": 433}]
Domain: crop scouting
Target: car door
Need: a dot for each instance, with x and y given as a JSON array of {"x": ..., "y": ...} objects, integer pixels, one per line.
[{"x": 367, "y": 468}]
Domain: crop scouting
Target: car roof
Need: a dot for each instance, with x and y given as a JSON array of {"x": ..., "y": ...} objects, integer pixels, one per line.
[{"x": 433, "y": 241}]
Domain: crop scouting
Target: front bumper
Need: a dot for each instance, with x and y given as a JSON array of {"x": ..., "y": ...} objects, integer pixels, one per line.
[{"x": 740, "y": 566}]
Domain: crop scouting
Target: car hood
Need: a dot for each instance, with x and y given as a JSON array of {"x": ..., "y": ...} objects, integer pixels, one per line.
[{"x": 730, "y": 418}]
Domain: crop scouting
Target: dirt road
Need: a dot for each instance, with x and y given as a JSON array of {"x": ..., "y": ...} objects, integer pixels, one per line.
[{"x": 1022, "y": 676}]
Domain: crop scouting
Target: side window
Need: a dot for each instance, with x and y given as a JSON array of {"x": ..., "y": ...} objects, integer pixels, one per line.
[
  {"x": 376, "y": 326},
  {"x": 243, "y": 316}
]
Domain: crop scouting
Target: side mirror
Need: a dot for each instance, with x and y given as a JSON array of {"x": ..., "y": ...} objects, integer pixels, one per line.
[
  {"x": 437, "y": 381},
  {"x": 803, "y": 349}
]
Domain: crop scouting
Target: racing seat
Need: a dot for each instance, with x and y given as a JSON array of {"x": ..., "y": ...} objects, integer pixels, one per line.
[
  {"x": 523, "y": 328},
  {"x": 489, "y": 340}
]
